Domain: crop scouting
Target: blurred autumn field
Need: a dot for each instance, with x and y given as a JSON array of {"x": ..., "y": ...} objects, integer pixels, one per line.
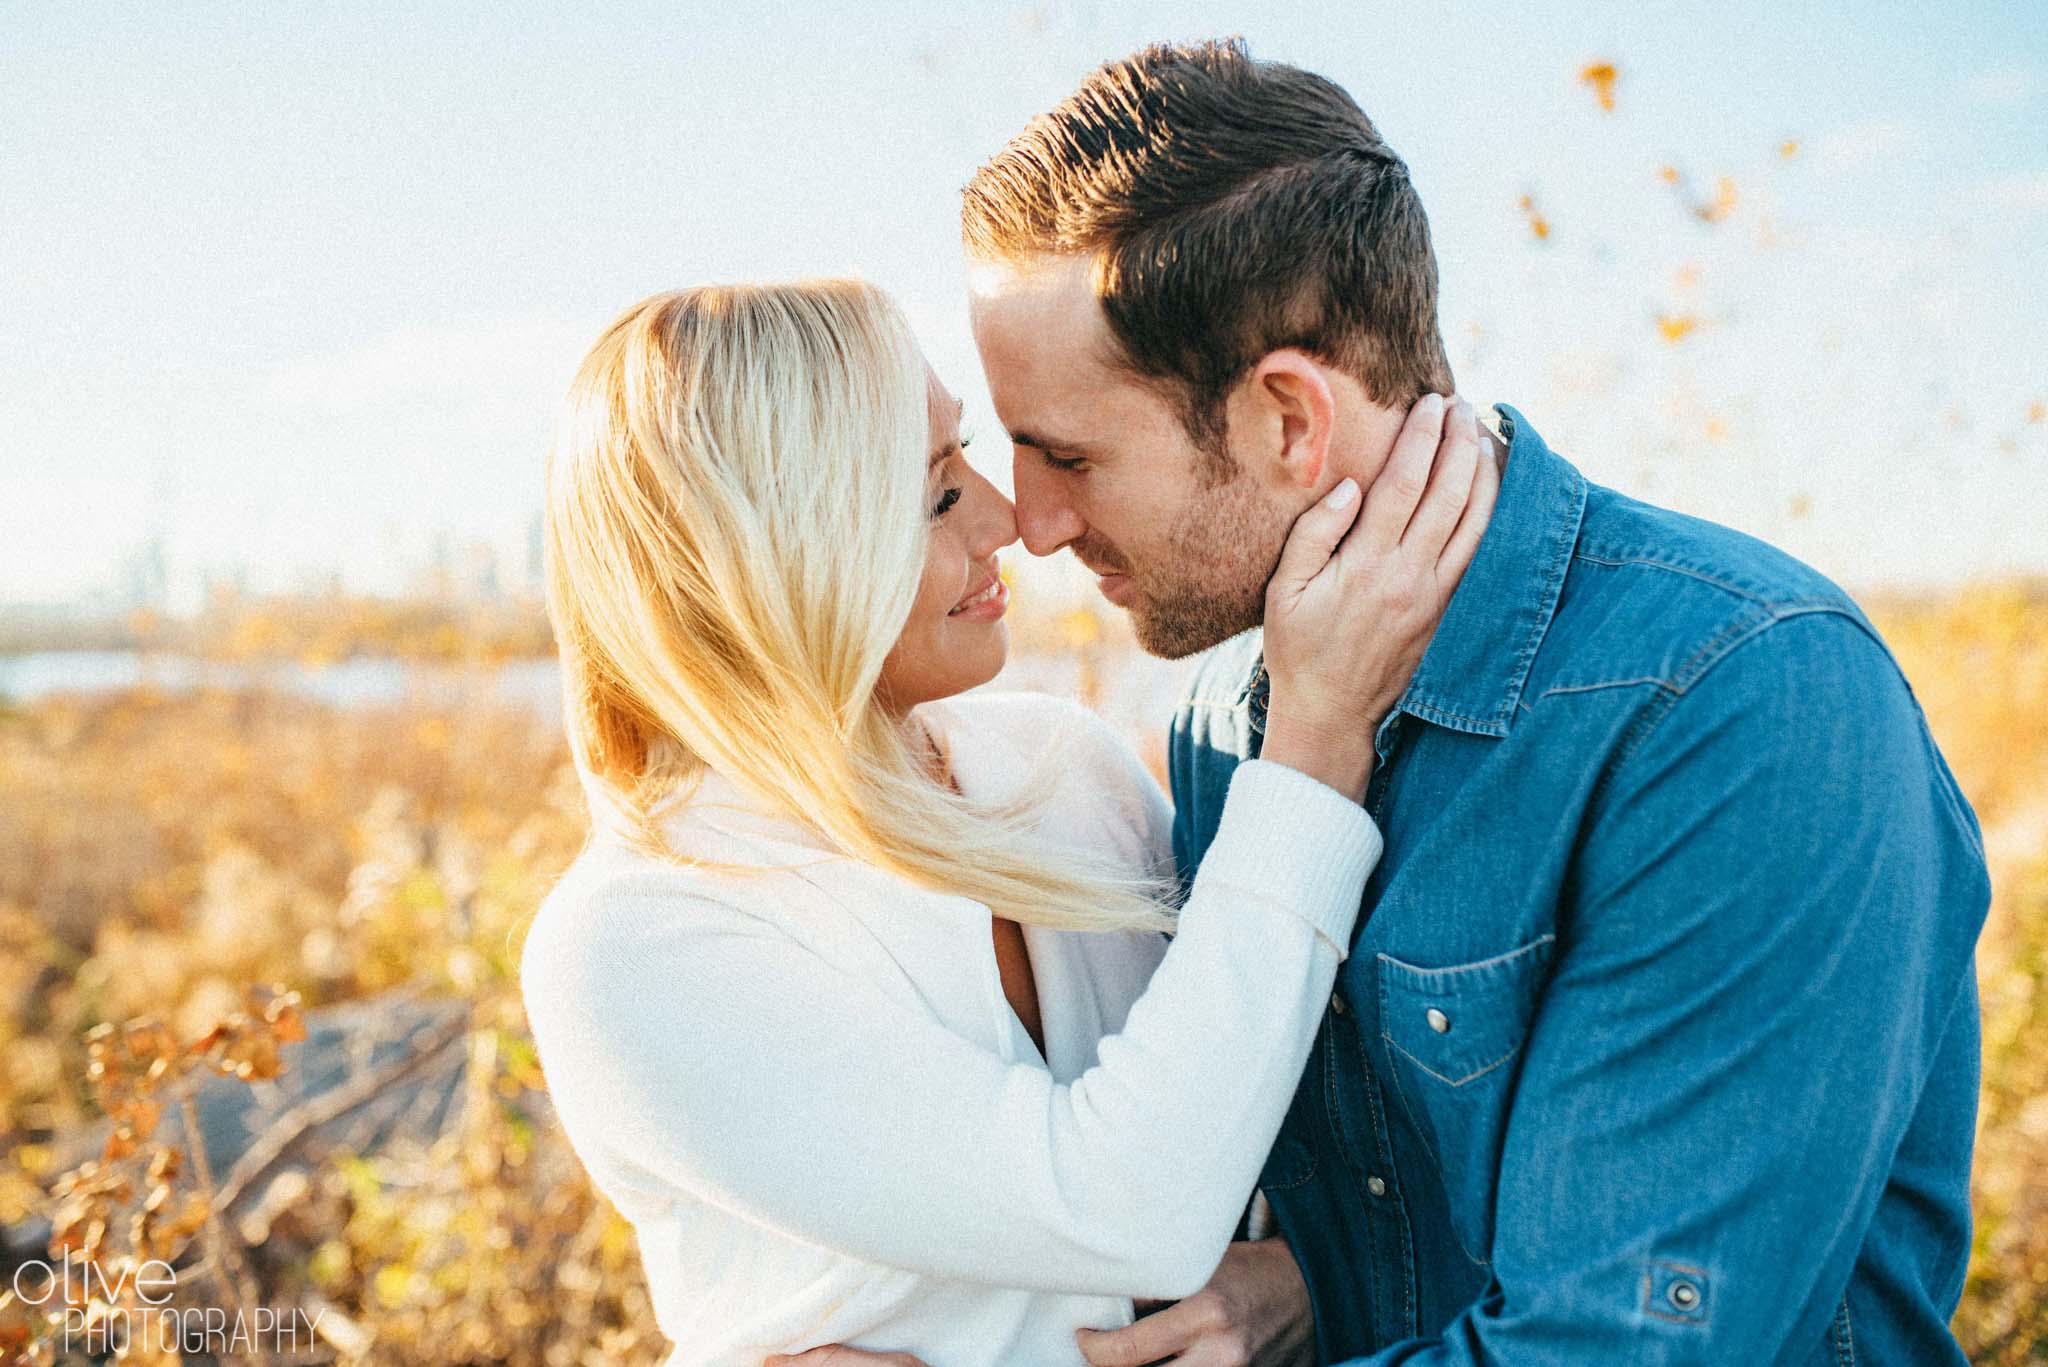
[{"x": 161, "y": 852}]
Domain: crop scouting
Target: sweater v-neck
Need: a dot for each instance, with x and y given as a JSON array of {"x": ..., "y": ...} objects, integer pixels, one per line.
[{"x": 1020, "y": 1029}]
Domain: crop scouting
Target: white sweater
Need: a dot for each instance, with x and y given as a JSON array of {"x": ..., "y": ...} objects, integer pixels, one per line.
[{"x": 808, "y": 1093}]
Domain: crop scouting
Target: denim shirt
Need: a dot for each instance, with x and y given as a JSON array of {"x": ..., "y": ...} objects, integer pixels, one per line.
[{"x": 1658, "y": 1040}]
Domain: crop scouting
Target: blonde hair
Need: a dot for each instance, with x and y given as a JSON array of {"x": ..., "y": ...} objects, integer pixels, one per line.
[{"x": 735, "y": 531}]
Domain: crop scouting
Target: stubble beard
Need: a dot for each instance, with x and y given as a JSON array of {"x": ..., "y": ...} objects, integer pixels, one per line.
[{"x": 1210, "y": 583}]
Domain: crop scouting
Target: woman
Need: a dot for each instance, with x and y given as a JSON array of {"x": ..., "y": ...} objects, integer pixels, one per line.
[{"x": 856, "y": 1004}]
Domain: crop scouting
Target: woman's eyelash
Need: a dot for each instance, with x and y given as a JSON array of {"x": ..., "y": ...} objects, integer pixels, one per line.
[
  {"x": 1062, "y": 462},
  {"x": 952, "y": 496}
]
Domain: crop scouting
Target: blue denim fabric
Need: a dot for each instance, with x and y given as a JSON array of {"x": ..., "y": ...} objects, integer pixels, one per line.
[{"x": 1659, "y": 1040}]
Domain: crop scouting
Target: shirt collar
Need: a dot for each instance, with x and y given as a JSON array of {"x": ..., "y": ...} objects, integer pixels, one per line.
[{"x": 1472, "y": 674}]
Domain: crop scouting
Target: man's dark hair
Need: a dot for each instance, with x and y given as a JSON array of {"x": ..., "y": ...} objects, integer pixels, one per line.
[{"x": 1233, "y": 207}]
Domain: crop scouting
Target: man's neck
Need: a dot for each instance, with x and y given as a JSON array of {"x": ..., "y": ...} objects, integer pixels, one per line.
[{"x": 1360, "y": 447}]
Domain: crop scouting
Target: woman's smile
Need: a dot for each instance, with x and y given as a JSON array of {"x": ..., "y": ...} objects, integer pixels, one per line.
[{"x": 986, "y": 604}]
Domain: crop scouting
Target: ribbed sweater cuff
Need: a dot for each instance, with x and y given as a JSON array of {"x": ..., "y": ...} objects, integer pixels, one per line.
[{"x": 1297, "y": 841}]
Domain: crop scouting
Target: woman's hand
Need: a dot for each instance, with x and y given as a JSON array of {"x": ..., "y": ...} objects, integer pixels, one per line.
[{"x": 1361, "y": 587}]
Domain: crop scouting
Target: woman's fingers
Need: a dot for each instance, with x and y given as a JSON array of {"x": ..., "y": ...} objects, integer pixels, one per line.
[
  {"x": 1479, "y": 504},
  {"x": 1450, "y": 485},
  {"x": 1313, "y": 540},
  {"x": 1391, "y": 502}
]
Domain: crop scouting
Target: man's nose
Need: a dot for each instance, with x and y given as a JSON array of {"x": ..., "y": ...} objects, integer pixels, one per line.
[
  {"x": 996, "y": 527},
  {"x": 1046, "y": 520}
]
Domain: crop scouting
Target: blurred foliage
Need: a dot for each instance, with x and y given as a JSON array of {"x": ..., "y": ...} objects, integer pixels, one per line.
[
  {"x": 159, "y": 851},
  {"x": 1978, "y": 661}
]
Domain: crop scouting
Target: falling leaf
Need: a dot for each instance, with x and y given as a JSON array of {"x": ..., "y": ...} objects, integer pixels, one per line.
[
  {"x": 1675, "y": 327},
  {"x": 1720, "y": 206},
  {"x": 1600, "y": 76},
  {"x": 1538, "y": 224},
  {"x": 1688, "y": 276},
  {"x": 1717, "y": 431},
  {"x": 1801, "y": 505},
  {"x": 1789, "y": 148},
  {"x": 1714, "y": 210},
  {"x": 2037, "y": 411}
]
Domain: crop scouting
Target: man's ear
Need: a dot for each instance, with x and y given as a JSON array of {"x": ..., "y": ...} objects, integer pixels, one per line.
[{"x": 1291, "y": 414}]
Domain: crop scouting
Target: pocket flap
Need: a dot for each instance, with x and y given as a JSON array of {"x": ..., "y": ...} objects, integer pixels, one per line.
[{"x": 1461, "y": 1022}]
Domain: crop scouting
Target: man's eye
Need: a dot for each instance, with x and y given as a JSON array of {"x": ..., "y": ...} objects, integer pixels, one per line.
[
  {"x": 1062, "y": 462},
  {"x": 945, "y": 503}
]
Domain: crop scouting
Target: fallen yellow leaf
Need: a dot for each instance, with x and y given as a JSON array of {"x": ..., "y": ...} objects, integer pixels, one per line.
[
  {"x": 1601, "y": 77},
  {"x": 1675, "y": 327}
]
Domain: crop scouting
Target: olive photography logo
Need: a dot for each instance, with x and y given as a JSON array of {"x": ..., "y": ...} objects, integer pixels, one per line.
[{"x": 96, "y": 1310}]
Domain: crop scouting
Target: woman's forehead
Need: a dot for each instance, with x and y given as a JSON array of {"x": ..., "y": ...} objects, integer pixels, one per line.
[{"x": 945, "y": 410}]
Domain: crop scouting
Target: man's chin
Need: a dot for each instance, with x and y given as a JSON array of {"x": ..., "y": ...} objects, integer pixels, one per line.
[{"x": 1177, "y": 635}]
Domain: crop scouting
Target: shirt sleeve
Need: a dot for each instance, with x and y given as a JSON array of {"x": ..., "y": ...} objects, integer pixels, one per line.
[
  {"x": 1772, "y": 934},
  {"x": 725, "y": 1058}
]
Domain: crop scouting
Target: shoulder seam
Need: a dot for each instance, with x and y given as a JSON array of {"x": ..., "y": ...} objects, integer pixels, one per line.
[
  {"x": 1614, "y": 562},
  {"x": 1715, "y": 650}
]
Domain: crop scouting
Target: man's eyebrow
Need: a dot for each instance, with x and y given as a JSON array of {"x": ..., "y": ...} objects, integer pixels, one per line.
[{"x": 1042, "y": 443}]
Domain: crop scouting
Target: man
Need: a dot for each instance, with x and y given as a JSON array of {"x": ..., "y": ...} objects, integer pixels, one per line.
[{"x": 1658, "y": 1042}]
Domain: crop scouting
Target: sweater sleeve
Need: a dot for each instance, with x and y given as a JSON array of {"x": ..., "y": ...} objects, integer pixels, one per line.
[{"x": 710, "y": 1049}]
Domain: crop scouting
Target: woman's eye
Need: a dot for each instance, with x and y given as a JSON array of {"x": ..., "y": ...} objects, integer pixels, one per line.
[
  {"x": 945, "y": 503},
  {"x": 1062, "y": 462}
]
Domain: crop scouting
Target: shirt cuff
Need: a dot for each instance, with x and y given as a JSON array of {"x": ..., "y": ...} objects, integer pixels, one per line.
[{"x": 1302, "y": 844}]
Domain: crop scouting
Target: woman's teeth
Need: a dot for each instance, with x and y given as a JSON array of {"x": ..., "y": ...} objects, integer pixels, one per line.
[{"x": 991, "y": 591}]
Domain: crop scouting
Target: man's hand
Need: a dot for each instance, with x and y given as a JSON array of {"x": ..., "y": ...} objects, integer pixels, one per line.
[
  {"x": 833, "y": 1355},
  {"x": 1253, "y": 1313}
]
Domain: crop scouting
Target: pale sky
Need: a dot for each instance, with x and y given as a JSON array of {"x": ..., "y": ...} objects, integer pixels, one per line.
[{"x": 297, "y": 287}]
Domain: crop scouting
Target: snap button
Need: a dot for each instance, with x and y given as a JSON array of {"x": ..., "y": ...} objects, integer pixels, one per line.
[
  {"x": 1438, "y": 1021},
  {"x": 1676, "y": 1293},
  {"x": 1376, "y": 1185},
  {"x": 1337, "y": 1004}
]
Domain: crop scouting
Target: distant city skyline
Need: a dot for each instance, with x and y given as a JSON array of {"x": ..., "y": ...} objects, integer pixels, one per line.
[
  {"x": 147, "y": 578},
  {"x": 292, "y": 296}
]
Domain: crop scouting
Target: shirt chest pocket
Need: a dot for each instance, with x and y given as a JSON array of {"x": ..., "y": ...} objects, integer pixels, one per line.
[{"x": 1453, "y": 1035}]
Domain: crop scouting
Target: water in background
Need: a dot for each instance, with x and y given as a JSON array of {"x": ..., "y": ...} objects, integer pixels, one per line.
[{"x": 1136, "y": 693}]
